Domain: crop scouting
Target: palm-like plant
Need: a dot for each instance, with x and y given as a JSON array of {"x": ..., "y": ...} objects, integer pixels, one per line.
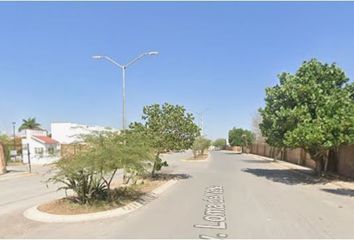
[{"x": 29, "y": 123}]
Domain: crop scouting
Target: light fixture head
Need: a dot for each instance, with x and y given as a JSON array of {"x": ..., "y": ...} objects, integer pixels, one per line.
[
  {"x": 152, "y": 53},
  {"x": 97, "y": 57}
]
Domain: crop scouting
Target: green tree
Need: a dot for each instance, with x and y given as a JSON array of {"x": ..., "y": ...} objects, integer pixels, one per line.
[
  {"x": 219, "y": 143},
  {"x": 200, "y": 145},
  {"x": 312, "y": 109},
  {"x": 167, "y": 128},
  {"x": 29, "y": 123},
  {"x": 90, "y": 172},
  {"x": 240, "y": 137}
]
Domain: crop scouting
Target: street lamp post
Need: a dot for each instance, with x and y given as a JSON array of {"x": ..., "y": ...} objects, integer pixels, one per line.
[
  {"x": 124, "y": 68},
  {"x": 201, "y": 116}
]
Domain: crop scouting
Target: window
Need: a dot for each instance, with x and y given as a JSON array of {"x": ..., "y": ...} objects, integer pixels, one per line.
[
  {"x": 51, "y": 150},
  {"x": 39, "y": 151}
]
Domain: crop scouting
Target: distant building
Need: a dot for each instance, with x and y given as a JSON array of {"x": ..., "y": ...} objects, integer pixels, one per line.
[
  {"x": 38, "y": 147},
  {"x": 70, "y": 133}
]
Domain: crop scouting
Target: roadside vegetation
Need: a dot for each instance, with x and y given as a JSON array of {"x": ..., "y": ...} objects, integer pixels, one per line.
[
  {"x": 241, "y": 137},
  {"x": 199, "y": 148},
  {"x": 167, "y": 128},
  {"x": 312, "y": 109},
  {"x": 89, "y": 176},
  {"x": 90, "y": 172},
  {"x": 219, "y": 143}
]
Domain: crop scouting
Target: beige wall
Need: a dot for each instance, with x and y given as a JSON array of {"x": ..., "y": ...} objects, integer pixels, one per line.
[
  {"x": 345, "y": 165},
  {"x": 346, "y": 161},
  {"x": 2, "y": 160}
]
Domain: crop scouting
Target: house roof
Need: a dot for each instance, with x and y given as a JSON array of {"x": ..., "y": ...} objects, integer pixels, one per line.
[{"x": 45, "y": 139}]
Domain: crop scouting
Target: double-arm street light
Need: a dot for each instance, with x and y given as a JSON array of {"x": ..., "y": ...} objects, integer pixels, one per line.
[
  {"x": 124, "y": 68},
  {"x": 201, "y": 117}
]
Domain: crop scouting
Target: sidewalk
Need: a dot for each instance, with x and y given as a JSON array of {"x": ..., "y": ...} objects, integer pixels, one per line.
[
  {"x": 308, "y": 171},
  {"x": 22, "y": 170}
]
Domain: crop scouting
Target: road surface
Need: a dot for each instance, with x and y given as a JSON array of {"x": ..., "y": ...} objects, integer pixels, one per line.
[{"x": 255, "y": 199}]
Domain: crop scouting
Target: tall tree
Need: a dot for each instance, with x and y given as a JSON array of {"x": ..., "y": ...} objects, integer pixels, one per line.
[
  {"x": 240, "y": 137},
  {"x": 168, "y": 128},
  {"x": 29, "y": 123},
  {"x": 219, "y": 143},
  {"x": 312, "y": 109}
]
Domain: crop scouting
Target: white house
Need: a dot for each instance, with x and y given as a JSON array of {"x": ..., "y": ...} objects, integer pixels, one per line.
[
  {"x": 68, "y": 133},
  {"x": 38, "y": 147}
]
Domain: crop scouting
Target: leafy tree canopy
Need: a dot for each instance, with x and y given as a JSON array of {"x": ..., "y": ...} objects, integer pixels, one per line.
[
  {"x": 168, "y": 128},
  {"x": 240, "y": 137},
  {"x": 29, "y": 123},
  {"x": 312, "y": 109},
  {"x": 89, "y": 172},
  {"x": 200, "y": 145},
  {"x": 219, "y": 143}
]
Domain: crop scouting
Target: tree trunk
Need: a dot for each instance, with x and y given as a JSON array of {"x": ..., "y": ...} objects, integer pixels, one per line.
[
  {"x": 153, "y": 169},
  {"x": 325, "y": 163},
  {"x": 155, "y": 165},
  {"x": 318, "y": 168},
  {"x": 332, "y": 160},
  {"x": 2, "y": 159}
]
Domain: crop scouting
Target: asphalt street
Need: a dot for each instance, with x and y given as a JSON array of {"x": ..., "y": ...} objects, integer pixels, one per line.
[{"x": 229, "y": 196}]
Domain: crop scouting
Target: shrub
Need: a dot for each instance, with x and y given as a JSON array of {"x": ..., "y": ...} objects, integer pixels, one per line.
[
  {"x": 220, "y": 143},
  {"x": 200, "y": 145},
  {"x": 89, "y": 173}
]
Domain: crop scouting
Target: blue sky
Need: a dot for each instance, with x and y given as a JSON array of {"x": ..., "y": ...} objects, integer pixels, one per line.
[{"x": 215, "y": 56}]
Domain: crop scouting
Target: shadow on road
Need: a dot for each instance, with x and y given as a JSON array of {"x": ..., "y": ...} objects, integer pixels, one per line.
[
  {"x": 170, "y": 176},
  {"x": 232, "y": 153},
  {"x": 287, "y": 176},
  {"x": 257, "y": 161},
  {"x": 340, "y": 191}
]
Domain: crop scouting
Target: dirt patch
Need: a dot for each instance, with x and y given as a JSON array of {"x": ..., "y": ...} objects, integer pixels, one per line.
[
  {"x": 121, "y": 196},
  {"x": 200, "y": 157}
]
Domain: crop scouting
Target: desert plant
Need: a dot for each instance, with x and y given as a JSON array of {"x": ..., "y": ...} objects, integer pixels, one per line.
[
  {"x": 200, "y": 145},
  {"x": 89, "y": 173}
]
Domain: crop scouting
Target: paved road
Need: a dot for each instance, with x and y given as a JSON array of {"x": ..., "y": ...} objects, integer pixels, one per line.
[{"x": 261, "y": 199}]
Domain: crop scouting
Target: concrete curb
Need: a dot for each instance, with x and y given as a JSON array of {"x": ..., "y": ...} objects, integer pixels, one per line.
[
  {"x": 196, "y": 161},
  {"x": 36, "y": 215},
  {"x": 288, "y": 165},
  {"x": 297, "y": 169},
  {"x": 8, "y": 176}
]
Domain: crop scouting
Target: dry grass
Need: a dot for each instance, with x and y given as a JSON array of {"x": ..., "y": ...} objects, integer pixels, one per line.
[{"x": 121, "y": 196}]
